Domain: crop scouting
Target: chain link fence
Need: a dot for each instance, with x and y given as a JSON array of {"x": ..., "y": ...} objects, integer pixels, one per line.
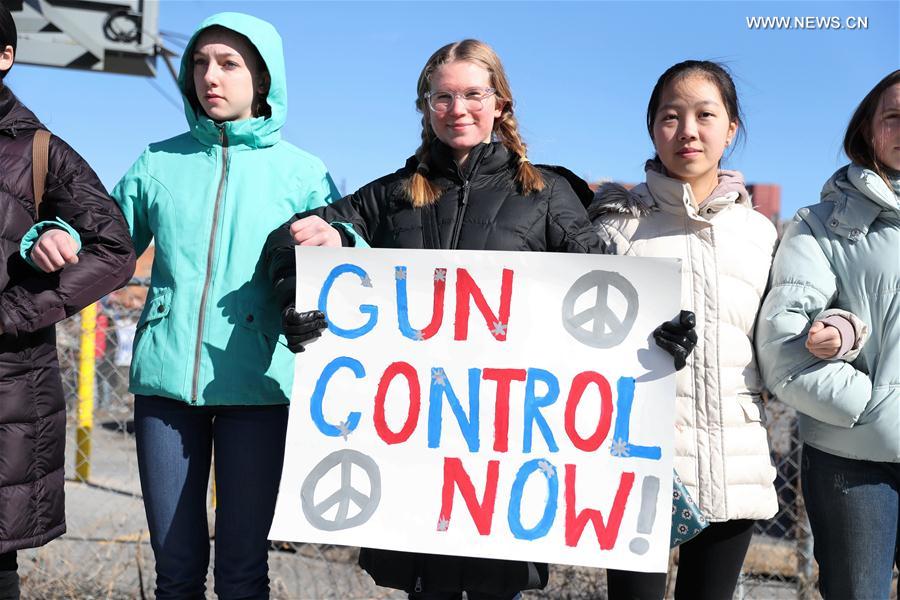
[{"x": 106, "y": 552}]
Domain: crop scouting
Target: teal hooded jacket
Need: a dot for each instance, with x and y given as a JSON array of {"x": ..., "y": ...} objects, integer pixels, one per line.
[
  {"x": 842, "y": 253},
  {"x": 208, "y": 198}
]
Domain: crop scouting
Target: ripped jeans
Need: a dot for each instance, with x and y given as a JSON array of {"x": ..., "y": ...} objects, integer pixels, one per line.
[{"x": 854, "y": 510}]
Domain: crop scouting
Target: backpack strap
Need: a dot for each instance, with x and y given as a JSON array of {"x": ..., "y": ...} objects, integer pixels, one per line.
[{"x": 40, "y": 161}]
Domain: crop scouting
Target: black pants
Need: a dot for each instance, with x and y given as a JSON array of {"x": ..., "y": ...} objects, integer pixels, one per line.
[
  {"x": 708, "y": 567},
  {"x": 458, "y": 596},
  {"x": 9, "y": 577}
]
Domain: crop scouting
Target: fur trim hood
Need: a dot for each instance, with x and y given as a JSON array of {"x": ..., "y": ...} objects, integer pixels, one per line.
[{"x": 615, "y": 199}]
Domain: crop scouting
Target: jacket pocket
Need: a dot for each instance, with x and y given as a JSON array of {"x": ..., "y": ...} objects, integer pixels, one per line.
[
  {"x": 251, "y": 366},
  {"x": 753, "y": 408},
  {"x": 796, "y": 371},
  {"x": 157, "y": 307},
  {"x": 267, "y": 337},
  {"x": 264, "y": 320},
  {"x": 880, "y": 395},
  {"x": 150, "y": 340}
]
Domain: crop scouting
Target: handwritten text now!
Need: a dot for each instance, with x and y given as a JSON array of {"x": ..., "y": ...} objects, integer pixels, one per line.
[{"x": 517, "y": 380}]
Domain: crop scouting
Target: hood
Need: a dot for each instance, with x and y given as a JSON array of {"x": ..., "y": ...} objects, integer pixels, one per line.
[
  {"x": 873, "y": 187},
  {"x": 668, "y": 190},
  {"x": 859, "y": 196},
  {"x": 615, "y": 199},
  {"x": 581, "y": 187},
  {"x": 14, "y": 117},
  {"x": 661, "y": 192},
  {"x": 258, "y": 131}
]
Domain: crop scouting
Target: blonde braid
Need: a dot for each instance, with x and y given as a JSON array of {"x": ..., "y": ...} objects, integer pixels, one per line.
[
  {"x": 420, "y": 190},
  {"x": 527, "y": 175}
]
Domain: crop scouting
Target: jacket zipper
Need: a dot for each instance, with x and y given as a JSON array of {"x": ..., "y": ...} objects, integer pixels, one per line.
[
  {"x": 796, "y": 371},
  {"x": 457, "y": 226},
  {"x": 464, "y": 200},
  {"x": 209, "y": 263}
]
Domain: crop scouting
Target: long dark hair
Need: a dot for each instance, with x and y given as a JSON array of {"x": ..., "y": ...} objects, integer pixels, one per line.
[
  {"x": 716, "y": 73},
  {"x": 859, "y": 141}
]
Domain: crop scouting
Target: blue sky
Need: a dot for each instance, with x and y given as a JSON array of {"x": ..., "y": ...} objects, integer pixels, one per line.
[{"x": 581, "y": 73}]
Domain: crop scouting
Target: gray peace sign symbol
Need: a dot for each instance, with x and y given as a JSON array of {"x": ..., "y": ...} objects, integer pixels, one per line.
[
  {"x": 344, "y": 495},
  {"x": 602, "y": 316}
]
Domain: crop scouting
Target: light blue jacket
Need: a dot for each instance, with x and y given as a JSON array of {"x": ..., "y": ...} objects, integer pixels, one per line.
[
  {"x": 209, "y": 198},
  {"x": 841, "y": 253}
]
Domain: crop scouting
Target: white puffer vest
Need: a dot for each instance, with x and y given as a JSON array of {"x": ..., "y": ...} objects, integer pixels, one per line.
[{"x": 726, "y": 247}]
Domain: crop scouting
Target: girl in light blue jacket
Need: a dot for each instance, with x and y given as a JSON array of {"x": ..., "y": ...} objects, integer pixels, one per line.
[
  {"x": 837, "y": 274},
  {"x": 211, "y": 381}
]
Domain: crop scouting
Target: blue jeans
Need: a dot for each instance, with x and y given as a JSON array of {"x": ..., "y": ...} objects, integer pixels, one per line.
[
  {"x": 854, "y": 511},
  {"x": 175, "y": 443}
]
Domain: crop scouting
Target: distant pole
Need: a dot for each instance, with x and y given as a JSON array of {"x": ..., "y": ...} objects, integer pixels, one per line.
[
  {"x": 212, "y": 486},
  {"x": 86, "y": 379},
  {"x": 167, "y": 55}
]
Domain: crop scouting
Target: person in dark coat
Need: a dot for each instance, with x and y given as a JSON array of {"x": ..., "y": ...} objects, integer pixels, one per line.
[
  {"x": 469, "y": 186},
  {"x": 78, "y": 252}
]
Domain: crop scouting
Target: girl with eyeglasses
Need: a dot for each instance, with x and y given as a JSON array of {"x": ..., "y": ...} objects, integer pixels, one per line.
[
  {"x": 468, "y": 186},
  {"x": 837, "y": 270},
  {"x": 689, "y": 208},
  {"x": 208, "y": 375}
]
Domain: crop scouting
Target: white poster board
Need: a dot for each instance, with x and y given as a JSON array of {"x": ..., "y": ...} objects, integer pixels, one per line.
[{"x": 496, "y": 404}]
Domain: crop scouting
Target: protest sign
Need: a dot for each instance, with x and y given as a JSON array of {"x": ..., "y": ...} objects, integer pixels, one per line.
[{"x": 496, "y": 404}]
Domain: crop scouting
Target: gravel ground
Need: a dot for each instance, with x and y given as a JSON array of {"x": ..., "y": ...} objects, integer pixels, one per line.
[{"x": 106, "y": 552}]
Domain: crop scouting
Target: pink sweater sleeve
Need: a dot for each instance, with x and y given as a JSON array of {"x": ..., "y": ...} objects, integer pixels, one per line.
[{"x": 848, "y": 334}]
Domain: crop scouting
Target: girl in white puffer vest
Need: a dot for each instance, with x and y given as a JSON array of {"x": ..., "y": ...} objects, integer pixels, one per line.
[{"x": 689, "y": 209}]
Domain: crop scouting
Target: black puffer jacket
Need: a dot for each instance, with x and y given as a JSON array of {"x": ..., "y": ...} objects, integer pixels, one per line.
[
  {"x": 32, "y": 408},
  {"x": 480, "y": 209}
]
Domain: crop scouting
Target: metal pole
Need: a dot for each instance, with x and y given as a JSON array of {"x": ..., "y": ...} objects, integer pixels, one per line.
[
  {"x": 86, "y": 381},
  {"x": 212, "y": 487}
]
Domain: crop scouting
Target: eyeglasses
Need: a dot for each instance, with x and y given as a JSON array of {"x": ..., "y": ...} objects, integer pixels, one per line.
[{"x": 474, "y": 98}]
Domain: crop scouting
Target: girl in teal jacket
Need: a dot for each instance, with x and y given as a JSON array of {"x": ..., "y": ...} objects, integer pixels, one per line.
[
  {"x": 208, "y": 371},
  {"x": 838, "y": 270}
]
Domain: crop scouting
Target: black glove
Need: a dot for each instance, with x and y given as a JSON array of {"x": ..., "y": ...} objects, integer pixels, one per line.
[
  {"x": 301, "y": 328},
  {"x": 678, "y": 339}
]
